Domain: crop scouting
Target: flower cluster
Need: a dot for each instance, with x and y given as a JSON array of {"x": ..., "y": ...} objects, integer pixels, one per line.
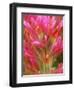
[{"x": 42, "y": 44}]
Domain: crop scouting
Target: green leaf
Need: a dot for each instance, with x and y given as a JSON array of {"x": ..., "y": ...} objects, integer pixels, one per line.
[{"x": 55, "y": 64}]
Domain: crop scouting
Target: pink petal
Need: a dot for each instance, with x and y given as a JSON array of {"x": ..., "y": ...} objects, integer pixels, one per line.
[
  {"x": 36, "y": 43},
  {"x": 30, "y": 29},
  {"x": 60, "y": 25},
  {"x": 57, "y": 47}
]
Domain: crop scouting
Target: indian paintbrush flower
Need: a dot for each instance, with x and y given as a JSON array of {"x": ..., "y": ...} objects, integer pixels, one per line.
[{"x": 43, "y": 41}]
